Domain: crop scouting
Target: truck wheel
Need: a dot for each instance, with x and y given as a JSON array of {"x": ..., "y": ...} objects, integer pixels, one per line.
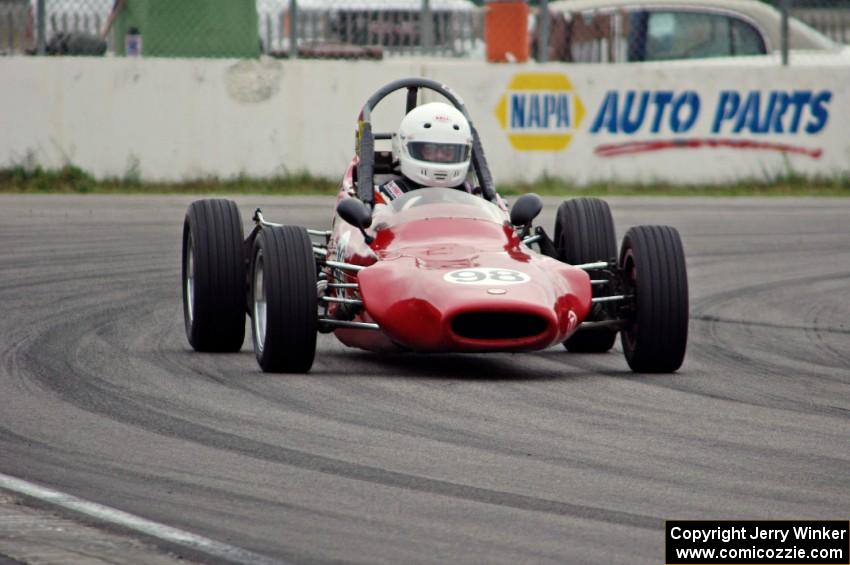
[
  {"x": 213, "y": 276},
  {"x": 653, "y": 263},
  {"x": 284, "y": 300},
  {"x": 584, "y": 233}
]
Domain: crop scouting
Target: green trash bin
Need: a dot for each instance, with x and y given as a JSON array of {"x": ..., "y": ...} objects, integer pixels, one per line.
[{"x": 187, "y": 28}]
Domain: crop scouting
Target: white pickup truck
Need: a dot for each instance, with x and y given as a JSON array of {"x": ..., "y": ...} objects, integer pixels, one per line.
[{"x": 622, "y": 31}]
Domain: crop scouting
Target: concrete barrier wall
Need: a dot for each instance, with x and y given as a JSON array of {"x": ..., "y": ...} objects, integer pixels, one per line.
[{"x": 185, "y": 119}]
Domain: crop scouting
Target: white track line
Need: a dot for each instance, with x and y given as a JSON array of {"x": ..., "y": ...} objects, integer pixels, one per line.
[{"x": 135, "y": 523}]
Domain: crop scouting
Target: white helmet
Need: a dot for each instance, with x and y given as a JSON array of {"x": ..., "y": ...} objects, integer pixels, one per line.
[{"x": 434, "y": 145}]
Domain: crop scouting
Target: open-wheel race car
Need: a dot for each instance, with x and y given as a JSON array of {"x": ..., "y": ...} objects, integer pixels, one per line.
[{"x": 435, "y": 270}]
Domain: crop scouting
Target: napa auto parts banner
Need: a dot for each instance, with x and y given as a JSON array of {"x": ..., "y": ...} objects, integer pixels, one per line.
[
  {"x": 670, "y": 122},
  {"x": 693, "y": 125}
]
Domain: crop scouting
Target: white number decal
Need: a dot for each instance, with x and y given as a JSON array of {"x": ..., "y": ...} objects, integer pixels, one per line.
[
  {"x": 466, "y": 276},
  {"x": 486, "y": 276}
]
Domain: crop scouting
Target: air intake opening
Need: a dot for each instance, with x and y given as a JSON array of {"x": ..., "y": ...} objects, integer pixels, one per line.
[{"x": 498, "y": 325}]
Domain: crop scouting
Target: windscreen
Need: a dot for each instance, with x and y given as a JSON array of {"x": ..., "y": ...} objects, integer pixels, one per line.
[{"x": 444, "y": 203}]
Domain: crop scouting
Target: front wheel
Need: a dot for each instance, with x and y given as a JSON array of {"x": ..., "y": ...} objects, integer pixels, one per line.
[
  {"x": 653, "y": 264},
  {"x": 284, "y": 300}
]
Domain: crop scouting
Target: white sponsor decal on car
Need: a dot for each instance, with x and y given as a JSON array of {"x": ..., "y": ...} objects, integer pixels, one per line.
[{"x": 486, "y": 276}]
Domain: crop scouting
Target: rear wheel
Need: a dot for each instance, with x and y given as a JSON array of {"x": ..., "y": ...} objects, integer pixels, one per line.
[
  {"x": 213, "y": 276},
  {"x": 584, "y": 233},
  {"x": 284, "y": 300},
  {"x": 653, "y": 263}
]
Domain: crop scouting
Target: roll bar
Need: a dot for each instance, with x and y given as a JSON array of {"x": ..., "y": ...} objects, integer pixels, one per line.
[{"x": 365, "y": 145}]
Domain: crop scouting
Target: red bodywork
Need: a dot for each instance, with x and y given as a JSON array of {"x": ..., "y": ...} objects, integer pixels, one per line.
[{"x": 420, "y": 251}]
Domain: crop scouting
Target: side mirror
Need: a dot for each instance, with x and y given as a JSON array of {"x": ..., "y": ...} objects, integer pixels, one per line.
[
  {"x": 525, "y": 209},
  {"x": 354, "y": 212}
]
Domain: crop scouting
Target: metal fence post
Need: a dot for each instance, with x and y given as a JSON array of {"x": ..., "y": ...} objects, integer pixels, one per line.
[
  {"x": 543, "y": 36},
  {"x": 293, "y": 29},
  {"x": 426, "y": 27},
  {"x": 786, "y": 7},
  {"x": 41, "y": 17}
]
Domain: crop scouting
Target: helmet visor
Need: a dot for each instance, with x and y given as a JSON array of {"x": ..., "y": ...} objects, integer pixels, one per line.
[{"x": 438, "y": 152}]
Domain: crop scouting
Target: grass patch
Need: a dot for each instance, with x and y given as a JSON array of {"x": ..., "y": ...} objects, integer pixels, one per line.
[
  {"x": 73, "y": 180},
  {"x": 67, "y": 179},
  {"x": 781, "y": 186}
]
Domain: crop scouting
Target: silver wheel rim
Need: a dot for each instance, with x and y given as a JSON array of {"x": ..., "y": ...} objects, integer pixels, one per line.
[
  {"x": 259, "y": 309},
  {"x": 190, "y": 279}
]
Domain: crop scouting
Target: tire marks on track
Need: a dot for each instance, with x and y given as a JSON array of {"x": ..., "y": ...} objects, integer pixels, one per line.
[
  {"x": 504, "y": 458},
  {"x": 91, "y": 393}
]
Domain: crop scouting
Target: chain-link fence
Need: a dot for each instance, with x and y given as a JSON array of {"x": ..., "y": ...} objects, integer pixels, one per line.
[
  {"x": 16, "y": 26},
  {"x": 239, "y": 28},
  {"x": 30, "y": 26},
  {"x": 590, "y": 31},
  {"x": 351, "y": 27},
  {"x": 830, "y": 17}
]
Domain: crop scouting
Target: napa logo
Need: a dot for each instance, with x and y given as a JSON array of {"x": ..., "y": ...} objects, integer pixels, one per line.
[{"x": 540, "y": 112}]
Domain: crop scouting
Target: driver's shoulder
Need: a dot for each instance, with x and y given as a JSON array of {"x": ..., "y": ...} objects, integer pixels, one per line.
[
  {"x": 396, "y": 186},
  {"x": 402, "y": 183}
]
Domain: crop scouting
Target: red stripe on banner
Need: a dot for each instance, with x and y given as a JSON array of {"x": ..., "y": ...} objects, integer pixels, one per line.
[{"x": 635, "y": 147}]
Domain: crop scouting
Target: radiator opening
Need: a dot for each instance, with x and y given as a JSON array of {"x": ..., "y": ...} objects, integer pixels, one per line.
[{"x": 498, "y": 325}]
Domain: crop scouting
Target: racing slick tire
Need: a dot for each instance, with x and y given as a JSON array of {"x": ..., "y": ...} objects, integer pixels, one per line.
[
  {"x": 284, "y": 301},
  {"x": 653, "y": 264},
  {"x": 213, "y": 276},
  {"x": 584, "y": 233}
]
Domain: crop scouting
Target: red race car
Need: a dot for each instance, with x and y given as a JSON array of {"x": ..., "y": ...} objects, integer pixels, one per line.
[{"x": 434, "y": 270}]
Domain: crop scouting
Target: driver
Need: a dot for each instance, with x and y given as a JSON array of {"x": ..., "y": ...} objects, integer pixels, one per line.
[{"x": 433, "y": 147}]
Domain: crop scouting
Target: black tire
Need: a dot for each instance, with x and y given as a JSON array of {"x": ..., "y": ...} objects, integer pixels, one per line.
[
  {"x": 653, "y": 264},
  {"x": 214, "y": 281},
  {"x": 284, "y": 307},
  {"x": 584, "y": 233}
]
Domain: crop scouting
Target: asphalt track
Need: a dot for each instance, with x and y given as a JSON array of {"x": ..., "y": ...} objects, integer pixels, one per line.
[{"x": 546, "y": 458}]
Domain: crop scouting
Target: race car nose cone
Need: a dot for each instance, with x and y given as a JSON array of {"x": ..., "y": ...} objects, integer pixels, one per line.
[{"x": 496, "y": 291}]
